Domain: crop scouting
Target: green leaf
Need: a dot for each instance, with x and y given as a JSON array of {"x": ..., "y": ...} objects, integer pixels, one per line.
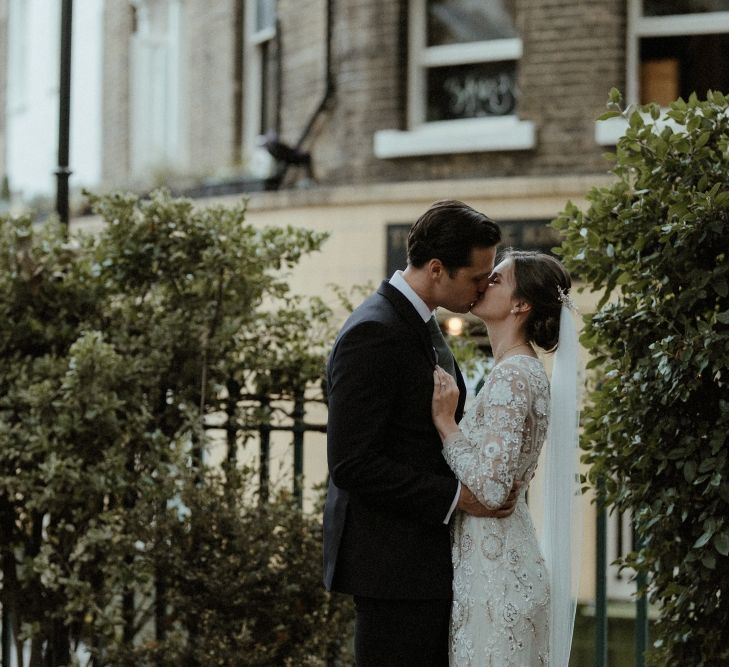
[
  {"x": 709, "y": 560},
  {"x": 705, "y": 537},
  {"x": 609, "y": 114},
  {"x": 724, "y": 492},
  {"x": 655, "y": 431},
  {"x": 722, "y": 198},
  {"x": 703, "y": 138},
  {"x": 721, "y": 543},
  {"x": 614, "y": 96}
]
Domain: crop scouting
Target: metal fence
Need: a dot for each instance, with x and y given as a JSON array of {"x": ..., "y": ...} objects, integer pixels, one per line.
[
  {"x": 289, "y": 415},
  {"x": 247, "y": 416},
  {"x": 602, "y": 570}
]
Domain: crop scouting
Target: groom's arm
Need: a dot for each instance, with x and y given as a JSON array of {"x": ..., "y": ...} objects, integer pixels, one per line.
[
  {"x": 467, "y": 502},
  {"x": 364, "y": 381}
]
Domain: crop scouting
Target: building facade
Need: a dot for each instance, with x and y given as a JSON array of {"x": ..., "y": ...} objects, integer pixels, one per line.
[
  {"x": 352, "y": 116},
  {"x": 29, "y": 104}
]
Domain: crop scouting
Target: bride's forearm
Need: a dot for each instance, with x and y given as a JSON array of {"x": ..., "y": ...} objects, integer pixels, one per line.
[{"x": 445, "y": 427}]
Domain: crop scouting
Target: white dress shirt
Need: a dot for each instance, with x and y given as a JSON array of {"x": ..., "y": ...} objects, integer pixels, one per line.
[{"x": 401, "y": 285}]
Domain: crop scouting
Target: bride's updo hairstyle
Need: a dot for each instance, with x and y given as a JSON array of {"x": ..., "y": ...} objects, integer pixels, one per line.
[{"x": 539, "y": 278}]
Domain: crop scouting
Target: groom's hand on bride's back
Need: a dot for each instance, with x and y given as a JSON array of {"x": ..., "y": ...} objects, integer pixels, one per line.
[{"x": 467, "y": 502}]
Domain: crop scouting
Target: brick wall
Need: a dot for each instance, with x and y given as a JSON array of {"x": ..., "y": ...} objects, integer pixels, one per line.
[
  {"x": 303, "y": 53},
  {"x": 209, "y": 90},
  {"x": 368, "y": 65},
  {"x": 115, "y": 105},
  {"x": 208, "y": 63},
  {"x": 573, "y": 54}
]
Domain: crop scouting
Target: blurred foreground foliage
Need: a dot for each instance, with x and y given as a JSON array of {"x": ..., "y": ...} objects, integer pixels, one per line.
[
  {"x": 117, "y": 353},
  {"x": 654, "y": 246}
]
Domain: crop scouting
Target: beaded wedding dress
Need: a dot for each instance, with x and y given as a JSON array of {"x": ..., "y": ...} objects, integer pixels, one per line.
[{"x": 500, "y": 607}]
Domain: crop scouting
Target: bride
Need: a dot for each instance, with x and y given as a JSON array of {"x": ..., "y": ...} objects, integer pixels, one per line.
[{"x": 503, "y": 612}]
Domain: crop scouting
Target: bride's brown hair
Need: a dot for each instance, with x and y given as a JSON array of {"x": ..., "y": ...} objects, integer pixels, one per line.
[{"x": 539, "y": 278}]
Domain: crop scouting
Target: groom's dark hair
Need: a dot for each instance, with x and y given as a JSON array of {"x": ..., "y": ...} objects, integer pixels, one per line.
[{"x": 449, "y": 230}]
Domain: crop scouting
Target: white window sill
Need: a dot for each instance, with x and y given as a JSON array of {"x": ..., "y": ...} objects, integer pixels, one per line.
[
  {"x": 471, "y": 135},
  {"x": 607, "y": 132}
]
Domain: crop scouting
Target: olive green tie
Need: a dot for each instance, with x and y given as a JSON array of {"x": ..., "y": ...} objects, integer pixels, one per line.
[{"x": 443, "y": 355}]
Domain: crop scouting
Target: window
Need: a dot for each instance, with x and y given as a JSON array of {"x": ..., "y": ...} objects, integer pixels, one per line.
[
  {"x": 674, "y": 48},
  {"x": 260, "y": 71},
  {"x": 678, "y": 47},
  {"x": 155, "y": 78},
  {"x": 397, "y": 243},
  {"x": 462, "y": 81},
  {"x": 619, "y": 543},
  {"x": 463, "y": 65},
  {"x": 18, "y": 51}
]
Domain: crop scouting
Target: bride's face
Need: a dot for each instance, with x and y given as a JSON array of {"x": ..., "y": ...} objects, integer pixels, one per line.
[{"x": 498, "y": 300}]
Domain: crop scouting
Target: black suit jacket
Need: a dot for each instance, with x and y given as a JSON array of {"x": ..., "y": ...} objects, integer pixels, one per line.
[{"x": 390, "y": 488}]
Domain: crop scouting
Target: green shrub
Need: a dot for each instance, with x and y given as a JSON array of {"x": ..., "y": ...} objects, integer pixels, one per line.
[
  {"x": 117, "y": 353},
  {"x": 243, "y": 582},
  {"x": 654, "y": 244}
]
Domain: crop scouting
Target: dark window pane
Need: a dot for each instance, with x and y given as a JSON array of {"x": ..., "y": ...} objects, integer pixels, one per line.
[
  {"x": 668, "y": 7},
  {"x": 269, "y": 88},
  {"x": 674, "y": 67},
  {"x": 471, "y": 91},
  {"x": 462, "y": 21},
  {"x": 529, "y": 235},
  {"x": 397, "y": 244}
]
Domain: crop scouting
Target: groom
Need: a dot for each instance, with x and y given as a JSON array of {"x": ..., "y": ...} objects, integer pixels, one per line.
[{"x": 391, "y": 494}]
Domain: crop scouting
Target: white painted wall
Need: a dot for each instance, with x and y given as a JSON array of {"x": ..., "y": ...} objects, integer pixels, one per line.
[{"x": 32, "y": 99}]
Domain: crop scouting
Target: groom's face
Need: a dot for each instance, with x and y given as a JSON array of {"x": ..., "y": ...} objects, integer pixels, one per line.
[{"x": 460, "y": 291}]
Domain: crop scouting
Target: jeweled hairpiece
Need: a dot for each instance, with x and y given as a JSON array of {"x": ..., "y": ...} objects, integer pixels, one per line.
[{"x": 566, "y": 299}]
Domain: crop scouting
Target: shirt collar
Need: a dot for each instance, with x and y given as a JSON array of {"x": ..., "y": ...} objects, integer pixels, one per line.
[{"x": 401, "y": 285}]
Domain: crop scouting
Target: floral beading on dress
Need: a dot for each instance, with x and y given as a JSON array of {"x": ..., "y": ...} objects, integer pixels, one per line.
[{"x": 500, "y": 613}]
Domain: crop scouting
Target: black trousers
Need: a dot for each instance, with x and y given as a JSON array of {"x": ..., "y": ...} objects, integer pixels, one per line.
[{"x": 401, "y": 633}]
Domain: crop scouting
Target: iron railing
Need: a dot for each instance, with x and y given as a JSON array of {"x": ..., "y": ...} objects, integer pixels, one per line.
[
  {"x": 602, "y": 568},
  {"x": 288, "y": 415}
]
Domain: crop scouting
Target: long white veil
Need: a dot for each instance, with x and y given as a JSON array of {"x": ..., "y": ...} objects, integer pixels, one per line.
[{"x": 561, "y": 535}]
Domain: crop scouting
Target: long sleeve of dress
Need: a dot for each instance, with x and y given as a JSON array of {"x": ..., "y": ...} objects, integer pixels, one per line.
[
  {"x": 487, "y": 464},
  {"x": 501, "y": 604}
]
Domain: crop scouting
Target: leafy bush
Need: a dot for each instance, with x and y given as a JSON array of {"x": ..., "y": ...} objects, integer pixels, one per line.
[
  {"x": 118, "y": 354},
  {"x": 244, "y": 583},
  {"x": 654, "y": 245}
]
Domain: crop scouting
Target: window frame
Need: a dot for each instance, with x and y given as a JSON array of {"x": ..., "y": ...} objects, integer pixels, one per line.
[
  {"x": 639, "y": 26},
  {"x": 254, "y": 40},
  {"x": 150, "y": 50},
  {"x": 17, "y": 62},
  {"x": 422, "y": 137}
]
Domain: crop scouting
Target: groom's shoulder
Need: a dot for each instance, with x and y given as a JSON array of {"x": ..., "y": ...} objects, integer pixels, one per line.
[
  {"x": 379, "y": 306},
  {"x": 376, "y": 316}
]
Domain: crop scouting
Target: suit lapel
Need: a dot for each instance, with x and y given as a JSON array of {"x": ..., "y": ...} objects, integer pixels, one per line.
[
  {"x": 407, "y": 312},
  {"x": 405, "y": 309}
]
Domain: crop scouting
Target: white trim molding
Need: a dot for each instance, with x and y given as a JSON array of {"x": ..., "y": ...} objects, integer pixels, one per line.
[
  {"x": 609, "y": 131},
  {"x": 476, "y": 134},
  {"x": 260, "y": 30},
  {"x": 158, "y": 138},
  {"x": 470, "y": 135},
  {"x": 472, "y": 52},
  {"x": 640, "y": 26}
]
